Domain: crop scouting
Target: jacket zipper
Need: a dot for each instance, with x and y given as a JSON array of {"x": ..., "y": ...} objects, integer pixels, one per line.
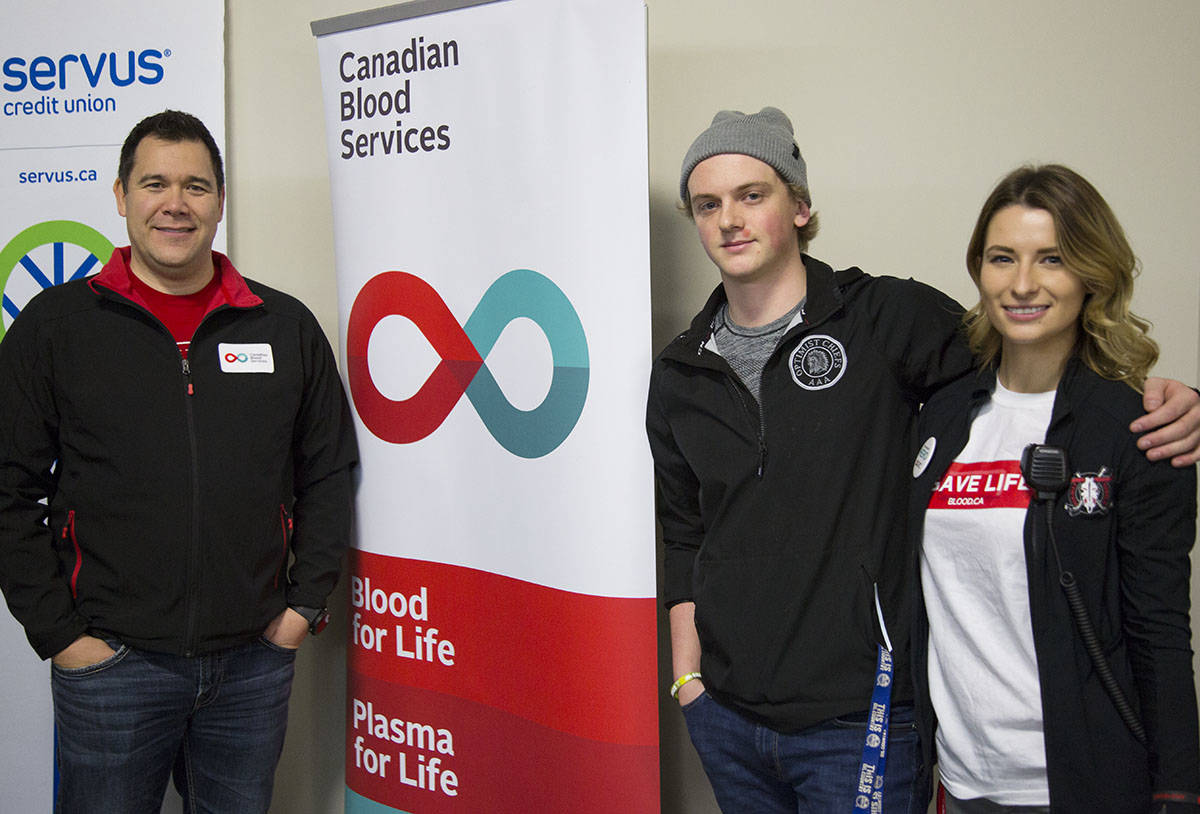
[
  {"x": 756, "y": 420},
  {"x": 68, "y": 533},
  {"x": 192, "y": 576},
  {"x": 755, "y": 416},
  {"x": 285, "y": 526},
  {"x": 193, "y": 554},
  {"x": 808, "y": 327}
]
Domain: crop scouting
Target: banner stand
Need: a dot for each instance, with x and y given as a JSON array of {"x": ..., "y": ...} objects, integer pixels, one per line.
[{"x": 488, "y": 167}]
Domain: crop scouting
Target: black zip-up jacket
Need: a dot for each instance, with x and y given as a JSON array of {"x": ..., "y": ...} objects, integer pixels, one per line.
[
  {"x": 777, "y": 529},
  {"x": 187, "y": 505},
  {"x": 1128, "y": 550}
]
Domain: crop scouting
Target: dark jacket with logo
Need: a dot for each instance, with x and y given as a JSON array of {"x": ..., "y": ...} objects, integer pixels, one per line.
[
  {"x": 1128, "y": 548},
  {"x": 777, "y": 529},
  {"x": 179, "y": 506}
]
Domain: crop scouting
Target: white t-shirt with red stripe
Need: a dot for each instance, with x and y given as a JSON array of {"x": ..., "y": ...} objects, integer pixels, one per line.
[{"x": 983, "y": 677}]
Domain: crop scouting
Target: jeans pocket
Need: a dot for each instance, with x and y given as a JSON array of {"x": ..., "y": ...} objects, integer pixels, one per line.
[
  {"x": 278, "y": 648},
  {"x": 120, "y": 651},
  {"x": 695, "y": 702},
  {"x": 854, "y": 721},
  {"x": 901, "y": 722},
  {"x": 903, "y": 719}
]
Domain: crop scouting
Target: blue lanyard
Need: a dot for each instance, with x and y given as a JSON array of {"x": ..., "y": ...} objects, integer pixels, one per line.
[{"x": 869, "y": 794}]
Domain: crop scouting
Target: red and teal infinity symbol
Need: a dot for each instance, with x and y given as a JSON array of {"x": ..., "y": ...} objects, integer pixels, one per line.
[{"x": 462, "y": 369}]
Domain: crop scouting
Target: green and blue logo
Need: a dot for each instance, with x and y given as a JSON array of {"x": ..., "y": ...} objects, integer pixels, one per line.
[{"x": 48, "y": 254}]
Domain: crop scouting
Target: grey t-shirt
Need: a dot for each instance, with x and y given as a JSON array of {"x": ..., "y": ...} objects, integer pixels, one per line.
[{"x": 747, "y": 349}]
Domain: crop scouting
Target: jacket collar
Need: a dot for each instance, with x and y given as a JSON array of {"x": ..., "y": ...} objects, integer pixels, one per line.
[
  {"x": 1073, "y": 388},
  {"x": 824, "y": 297},
  {"x": 825, "y": 289},
  {"x": 117, "y": 277}
]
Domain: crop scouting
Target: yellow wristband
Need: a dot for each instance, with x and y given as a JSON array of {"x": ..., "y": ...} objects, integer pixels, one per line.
[{"x": 679, "y": 682}]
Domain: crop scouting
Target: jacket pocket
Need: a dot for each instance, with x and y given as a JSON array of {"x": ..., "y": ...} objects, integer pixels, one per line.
[
  {"x": 70, "y": 544},
  {"x": 285, "y": 537}
]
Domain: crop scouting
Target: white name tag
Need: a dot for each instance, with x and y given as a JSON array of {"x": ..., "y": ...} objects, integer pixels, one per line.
[{"x": 246, "y": 358}]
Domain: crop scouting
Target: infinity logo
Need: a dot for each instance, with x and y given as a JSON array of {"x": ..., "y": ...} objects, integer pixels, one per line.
[
  {"x": 236, "y": 357},
  {"x": 520, "y": 293}
]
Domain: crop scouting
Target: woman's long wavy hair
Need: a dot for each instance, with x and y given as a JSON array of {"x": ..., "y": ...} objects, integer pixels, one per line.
[{"x": 1112, "y": 339}]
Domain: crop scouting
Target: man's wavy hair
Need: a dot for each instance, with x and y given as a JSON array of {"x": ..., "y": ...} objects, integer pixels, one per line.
[{"x": 1112, "y": 339}]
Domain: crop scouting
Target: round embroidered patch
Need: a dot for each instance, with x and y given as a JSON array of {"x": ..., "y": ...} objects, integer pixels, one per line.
[{"x": 818, "y": 362}]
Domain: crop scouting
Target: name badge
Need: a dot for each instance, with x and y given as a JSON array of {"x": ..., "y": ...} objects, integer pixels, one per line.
[{"x": 246, "y": 358}]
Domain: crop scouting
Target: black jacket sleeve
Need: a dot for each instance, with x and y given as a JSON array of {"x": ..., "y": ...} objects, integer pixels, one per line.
[
  {"x": 37, "y": 591},
  {"x": 920, "y": 329},
  {"x": 677, "y": 498},
  {"x": 1156, "y": 530},
  {"x": 324, "y": 457}
]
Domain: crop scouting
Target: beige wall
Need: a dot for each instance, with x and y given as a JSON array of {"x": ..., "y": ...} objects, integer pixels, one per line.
[{"x": 906, "y": 113}]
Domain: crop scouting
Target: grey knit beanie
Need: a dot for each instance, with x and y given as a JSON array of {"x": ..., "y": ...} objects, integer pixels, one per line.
[{"x": 765, "y": 135}]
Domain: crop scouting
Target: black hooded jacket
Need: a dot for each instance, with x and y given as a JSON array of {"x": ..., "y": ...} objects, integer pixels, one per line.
[
  {"x": 1129, "y": 555},
  {"x": 177, "y": 505},
  {"x": 778, "y": 528}
]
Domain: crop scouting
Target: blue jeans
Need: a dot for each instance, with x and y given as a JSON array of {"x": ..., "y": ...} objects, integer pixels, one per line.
[
  {"x": 756, "y": 770},
  {"x": 217, "y": 721}
]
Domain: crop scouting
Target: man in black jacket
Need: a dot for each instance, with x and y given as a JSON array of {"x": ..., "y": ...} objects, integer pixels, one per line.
[
  {"x": 780, "y": 424},
  {"x": 175, "y": 496}
]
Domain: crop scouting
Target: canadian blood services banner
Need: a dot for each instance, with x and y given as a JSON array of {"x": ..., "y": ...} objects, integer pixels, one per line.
[
  {"x": 74, "y": 79},
  {"x": 489, "y": 178}
]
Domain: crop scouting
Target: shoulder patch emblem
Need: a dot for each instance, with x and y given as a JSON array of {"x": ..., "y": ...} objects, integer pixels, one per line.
[
  {"x": 1090, "y": 493},
  {"x": 818, "y": 362}
]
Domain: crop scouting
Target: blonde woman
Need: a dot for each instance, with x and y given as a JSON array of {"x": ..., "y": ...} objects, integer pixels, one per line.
[{"x": 1052, "y": 643}]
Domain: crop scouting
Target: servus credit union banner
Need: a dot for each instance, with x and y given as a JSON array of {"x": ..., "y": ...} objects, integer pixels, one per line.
[
  {"x": 74, "y": 79},
  {"x": 489, "y": 180}
]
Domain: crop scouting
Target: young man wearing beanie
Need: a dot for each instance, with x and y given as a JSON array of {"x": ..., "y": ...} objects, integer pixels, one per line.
[{"x": 780, "y": 428}]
